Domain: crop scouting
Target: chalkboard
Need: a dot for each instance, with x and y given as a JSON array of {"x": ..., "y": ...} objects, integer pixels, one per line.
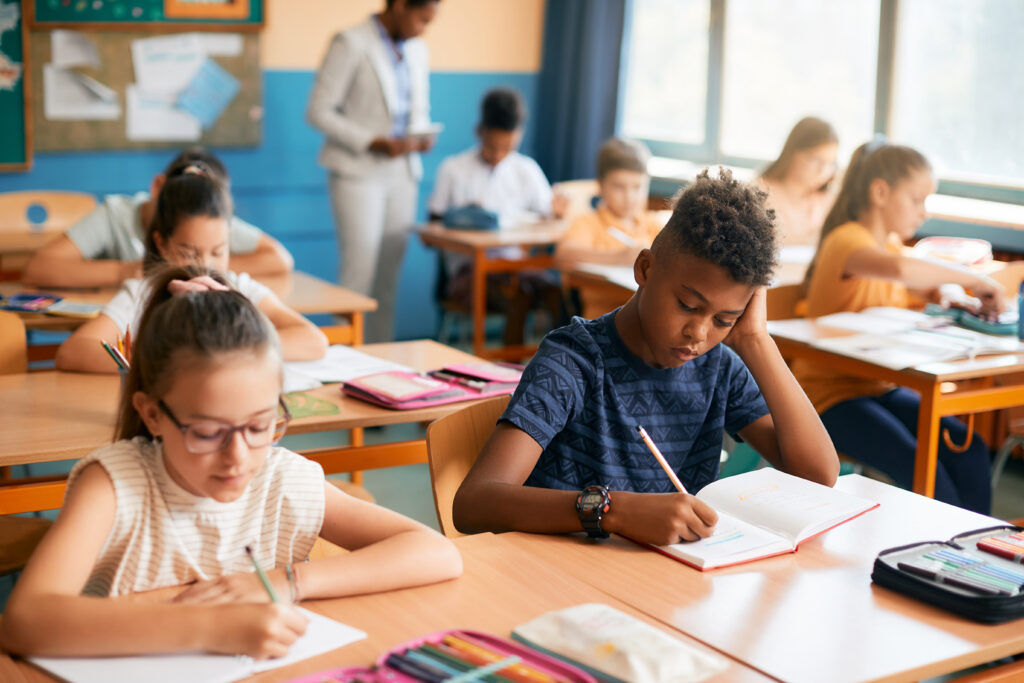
[
  {"x": 16, "y": 129},
  {"x": 240, "y": 123},
  {"x": 146, "y": 15}
]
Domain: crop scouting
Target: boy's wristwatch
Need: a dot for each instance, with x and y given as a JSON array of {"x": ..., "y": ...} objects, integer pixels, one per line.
[{"x": 591, "y": 504}]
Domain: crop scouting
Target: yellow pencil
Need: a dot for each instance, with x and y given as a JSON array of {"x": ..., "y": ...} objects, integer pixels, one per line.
[{"x": 661, "y": 459}]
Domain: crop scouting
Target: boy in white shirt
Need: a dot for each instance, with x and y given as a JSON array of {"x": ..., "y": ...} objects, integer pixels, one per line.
[{"x": 496, "y": 177}]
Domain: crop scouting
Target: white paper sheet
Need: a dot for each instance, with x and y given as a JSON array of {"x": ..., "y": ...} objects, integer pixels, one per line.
[
  {"x": 153, "y": 116},
  {"x": 220, "y": 44},
  {"x": 67, "y": 97},
  {"x": 166, "y": 64},
  {"x": 342, "y": 363},
  {"x": 71, "y": 48}
]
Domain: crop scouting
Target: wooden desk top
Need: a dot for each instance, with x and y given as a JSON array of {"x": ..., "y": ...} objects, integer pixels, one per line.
[
  {"x": 800, "y": 333},
  {"x": 813, "y": 615},
  {"x": 22, "y": 241},
  {"x": 501, "y": 588},
  {"x": 528, "y": 235},
  {"x": 302, "y": 292},
  {"x": 53, "y": 415}
]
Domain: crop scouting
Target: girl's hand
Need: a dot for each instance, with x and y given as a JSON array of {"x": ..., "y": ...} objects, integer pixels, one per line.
[
  {"x": 753, "y": 324},
  {"x": 203, "y": 283},
  {"x": 991, "y": 295},
  {"x": 259, "y": 631},
  {"x": 235, "y": 588}
]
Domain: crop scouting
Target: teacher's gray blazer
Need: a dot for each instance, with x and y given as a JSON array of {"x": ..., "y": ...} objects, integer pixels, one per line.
[{"x": 353, "y": 97}]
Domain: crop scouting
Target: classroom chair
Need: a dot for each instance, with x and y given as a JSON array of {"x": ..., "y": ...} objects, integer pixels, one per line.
[
  {"x": 35, "y": 212},
  {"x": 19, "y": 536},
  {"x": 583, "y": 195},
  {"x": 453, "y": 444}
]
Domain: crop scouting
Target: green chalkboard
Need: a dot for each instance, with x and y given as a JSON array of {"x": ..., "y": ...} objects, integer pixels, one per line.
[
  {"x": 151, "y": 15},
  {"x": 16, "y": 130}
]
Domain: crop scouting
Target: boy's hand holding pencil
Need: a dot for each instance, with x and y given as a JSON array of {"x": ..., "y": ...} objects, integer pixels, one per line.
[{"x": 660, "y": 518}]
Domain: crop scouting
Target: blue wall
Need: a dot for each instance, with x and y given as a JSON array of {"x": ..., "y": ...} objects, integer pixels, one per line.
[{"x": 278, "y": 186}]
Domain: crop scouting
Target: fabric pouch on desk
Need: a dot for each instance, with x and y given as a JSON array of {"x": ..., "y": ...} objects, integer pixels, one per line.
[
  {"x": 470, "y": 218},
  {"x": 614, "y": 645}
]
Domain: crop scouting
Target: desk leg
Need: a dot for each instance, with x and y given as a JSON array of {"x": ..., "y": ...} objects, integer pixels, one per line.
[
  {"x": 927, "y": 455},
  {"x": 355, "y": 440},
  {"x": 357, "y": 328},
  {"x": 479, "y": 301}
]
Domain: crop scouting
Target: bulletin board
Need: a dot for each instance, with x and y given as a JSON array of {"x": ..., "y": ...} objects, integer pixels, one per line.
[
  {"x": 16, "y": 129},
  {"x": 240, "y": 123},
  {"x": 146, "y": 15}
]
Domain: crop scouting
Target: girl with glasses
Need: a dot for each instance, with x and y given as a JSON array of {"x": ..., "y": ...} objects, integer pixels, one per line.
[{"x": 193, "y": 478}]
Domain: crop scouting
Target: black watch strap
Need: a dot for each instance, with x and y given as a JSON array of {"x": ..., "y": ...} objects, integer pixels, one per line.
[{"x": 591, "y": 505}]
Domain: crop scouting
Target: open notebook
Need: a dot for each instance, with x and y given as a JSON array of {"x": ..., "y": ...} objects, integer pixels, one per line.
[
  {"x": 322, "y": 635},
  {"x": 765, "y": 513}
]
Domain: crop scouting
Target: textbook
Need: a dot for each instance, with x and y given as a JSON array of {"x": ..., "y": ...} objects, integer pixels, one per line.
[
  {"x": 322, "y": 635},
  {"x": 762, "y": 514},
  {"x": 50, "y": 304}
]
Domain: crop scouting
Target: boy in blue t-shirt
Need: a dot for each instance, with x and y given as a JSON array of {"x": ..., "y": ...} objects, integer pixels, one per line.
[{"x": 657, "y": 361}]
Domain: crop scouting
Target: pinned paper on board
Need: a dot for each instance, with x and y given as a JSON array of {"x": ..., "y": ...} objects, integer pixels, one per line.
[
  {"x": 166, "y": 64},
  {"x": 209, "y": 93},
  {"x": 71, "y": 48},
  {"x": 10, "y": 71},
  {"x": 154, "y": 116},
  {"x": 70, "y": 96}
]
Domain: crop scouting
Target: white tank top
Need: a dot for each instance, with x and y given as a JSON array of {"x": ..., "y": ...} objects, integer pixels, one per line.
[{"x": 165, "y": 536}]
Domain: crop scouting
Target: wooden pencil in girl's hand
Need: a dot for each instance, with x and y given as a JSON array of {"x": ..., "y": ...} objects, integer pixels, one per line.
[
  {"x": 661, "y": 459},
  {"x": 259, "y": 572},
  {"x": 128, "y": 344}
]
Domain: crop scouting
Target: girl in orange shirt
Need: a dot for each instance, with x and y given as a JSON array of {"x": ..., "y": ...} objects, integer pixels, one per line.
[{"x": 859, "y": 264}]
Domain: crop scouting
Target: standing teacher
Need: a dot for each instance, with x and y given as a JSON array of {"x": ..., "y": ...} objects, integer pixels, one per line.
[{"x": 370, "y": 98}]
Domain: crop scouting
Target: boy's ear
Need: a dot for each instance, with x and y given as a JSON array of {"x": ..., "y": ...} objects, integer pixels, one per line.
[
  {"x": 878, "y": 192},
  {"x": 148, "y": 410},
  {"x": 642, "y": 266}
]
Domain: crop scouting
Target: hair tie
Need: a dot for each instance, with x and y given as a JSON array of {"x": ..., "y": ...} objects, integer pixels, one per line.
[{"x": 195, "y": 168}]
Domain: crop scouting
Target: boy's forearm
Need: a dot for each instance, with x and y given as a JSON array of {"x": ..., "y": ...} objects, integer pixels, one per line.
[
  {"x": 805, "y": 448},
  {"x": 75, "y": 273},
  {"x": 266, "y": 260},
  {"x": 513, "y": 507},
  {"x": 68, "y": 626}
]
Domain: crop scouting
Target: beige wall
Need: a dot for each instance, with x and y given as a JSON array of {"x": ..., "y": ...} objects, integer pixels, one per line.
[{"x": 467, "y": 35}]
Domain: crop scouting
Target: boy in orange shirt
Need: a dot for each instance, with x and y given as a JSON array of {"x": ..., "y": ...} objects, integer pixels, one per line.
[{"x": 615, "y": 232}]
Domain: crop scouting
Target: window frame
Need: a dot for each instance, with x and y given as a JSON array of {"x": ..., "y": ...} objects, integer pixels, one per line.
[{"x": 711, "y": 151}]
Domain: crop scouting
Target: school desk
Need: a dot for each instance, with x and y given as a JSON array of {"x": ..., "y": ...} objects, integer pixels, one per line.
[
  {"x": 536, "y": 238},
  {"x": 52, "y": 415},
  {"x": 612, "y": 286},
  {"x": 304, "y": 293},
  {"x": 808, "y": 616},
  {"x": 958, "y": 387},
  {"x": 500, "y": 588}
]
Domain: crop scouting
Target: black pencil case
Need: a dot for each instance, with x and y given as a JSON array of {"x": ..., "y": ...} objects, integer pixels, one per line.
[{"x": 958, "y": 599}]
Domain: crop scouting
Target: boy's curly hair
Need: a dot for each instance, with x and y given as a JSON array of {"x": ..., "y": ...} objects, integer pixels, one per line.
[{"x": 726, "y": 223}]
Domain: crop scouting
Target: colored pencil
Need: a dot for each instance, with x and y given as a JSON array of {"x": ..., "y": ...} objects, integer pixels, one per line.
[
  {"x": 661, "y": 459},
  {"x": 259, "y": 572}
]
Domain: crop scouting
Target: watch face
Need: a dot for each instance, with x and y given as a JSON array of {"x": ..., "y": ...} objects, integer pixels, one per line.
[{"x": 591, "y": 499}]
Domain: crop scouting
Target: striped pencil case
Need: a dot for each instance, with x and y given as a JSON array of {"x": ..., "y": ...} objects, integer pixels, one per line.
[
  {"x": 457, "y": 655},
  {"x": 977, "y": 574}
]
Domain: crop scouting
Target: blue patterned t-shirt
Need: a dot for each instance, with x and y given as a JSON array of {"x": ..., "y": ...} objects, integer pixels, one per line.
[{"x": 584, "y": 392}]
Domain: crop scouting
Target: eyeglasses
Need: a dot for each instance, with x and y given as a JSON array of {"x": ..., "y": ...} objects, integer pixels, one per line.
[{"x": 208, "y": 437}]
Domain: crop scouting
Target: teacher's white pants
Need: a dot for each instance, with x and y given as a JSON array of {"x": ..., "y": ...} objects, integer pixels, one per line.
[{"x": 373, "y": 218}]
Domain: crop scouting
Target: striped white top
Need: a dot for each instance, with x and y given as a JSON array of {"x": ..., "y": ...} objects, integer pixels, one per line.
[{"x": 164, "y": 536}]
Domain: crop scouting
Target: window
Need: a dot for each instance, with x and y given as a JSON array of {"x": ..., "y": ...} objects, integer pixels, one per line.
[
  {"x": 958, "y": 88},
  {"x": 667, "y": 68},
  {"x": 777, "y": 70},
  {"x": 723, "y": 81}
]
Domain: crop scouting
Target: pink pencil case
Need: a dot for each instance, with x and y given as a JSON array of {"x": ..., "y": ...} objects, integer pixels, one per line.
[
  {"x": 382, "y": 672},
  {"x": 404, "y": 391}
]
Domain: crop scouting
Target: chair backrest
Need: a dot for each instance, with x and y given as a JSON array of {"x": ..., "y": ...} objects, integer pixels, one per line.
[
  {"x": 34, "y": 211},
  {"x": 453, "y": 443},
  {"x": 581, "y": 195},
  {"x": 13, "y": 346}
]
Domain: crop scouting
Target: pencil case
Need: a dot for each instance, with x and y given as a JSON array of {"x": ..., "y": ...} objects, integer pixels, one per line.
[
  {"x": 1005, "y": 325},
  {"x": 431, "y": 654},
  {"x": 958, "y": 575}
]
